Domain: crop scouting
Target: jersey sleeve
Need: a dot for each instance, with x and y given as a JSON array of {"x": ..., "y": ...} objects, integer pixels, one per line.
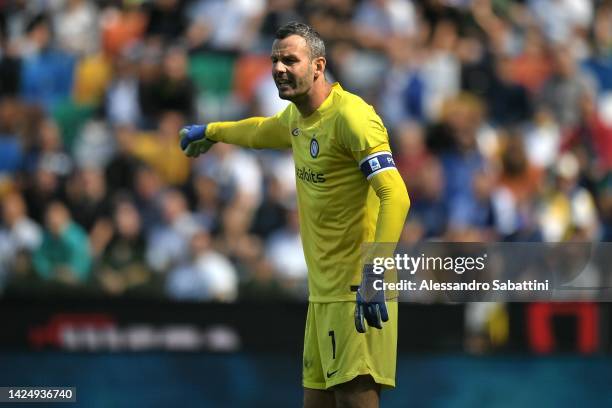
[
  {"x": 359, "y": 128},
  {"x": 361, "y": 131},
  {"x": 256, "y": 132}
]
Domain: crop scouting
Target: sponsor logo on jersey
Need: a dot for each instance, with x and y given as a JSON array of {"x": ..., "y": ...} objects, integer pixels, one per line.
[
  {"x": 374, "y": 164},
  {"x": 306, "y": 174},
  {"x": 330, "y": 374},
  {"x": 314, "y": 148}
]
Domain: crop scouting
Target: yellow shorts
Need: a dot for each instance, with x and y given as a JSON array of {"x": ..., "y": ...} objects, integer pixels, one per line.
[{"x": 335, "y": 353}]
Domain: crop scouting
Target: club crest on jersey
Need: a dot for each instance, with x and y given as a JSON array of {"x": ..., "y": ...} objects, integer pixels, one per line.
[
  {"x": 314, "y": 148},
  {"x": 295, "y": 132}
]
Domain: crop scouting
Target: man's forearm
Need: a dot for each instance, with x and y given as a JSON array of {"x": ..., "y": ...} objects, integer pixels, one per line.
[
  {"x": 394, "y": 205},
  {"x": 255, "y": 133}
]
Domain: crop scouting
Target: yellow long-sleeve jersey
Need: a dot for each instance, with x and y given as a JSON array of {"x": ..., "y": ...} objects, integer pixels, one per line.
[{"x": 348, "y": 189}]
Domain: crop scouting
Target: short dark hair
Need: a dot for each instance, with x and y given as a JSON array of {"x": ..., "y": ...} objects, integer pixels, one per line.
[
  {"x": 313, "y": 39},
  {"x": 36, "y": 21}
]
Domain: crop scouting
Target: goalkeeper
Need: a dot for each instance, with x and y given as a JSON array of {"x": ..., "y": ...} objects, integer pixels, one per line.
[{"x": 349, "y": 193}]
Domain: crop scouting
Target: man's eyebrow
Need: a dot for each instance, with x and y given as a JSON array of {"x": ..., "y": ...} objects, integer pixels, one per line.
[{"x": 285, "y": 56}]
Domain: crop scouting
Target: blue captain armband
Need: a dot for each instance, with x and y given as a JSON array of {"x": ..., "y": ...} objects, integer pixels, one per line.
[{"x": 376, "y": 163}]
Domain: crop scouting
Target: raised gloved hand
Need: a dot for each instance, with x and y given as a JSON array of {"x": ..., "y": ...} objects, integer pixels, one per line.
[
  {"x": 370, "y": 303},
  {"x": 194, "y": 141}
]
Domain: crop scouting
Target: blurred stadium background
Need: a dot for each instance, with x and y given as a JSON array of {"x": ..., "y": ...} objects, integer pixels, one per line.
[{"x": 147, "y": 279}]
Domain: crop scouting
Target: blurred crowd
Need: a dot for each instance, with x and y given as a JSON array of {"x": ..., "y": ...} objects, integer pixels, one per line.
[{"x": 499, "y": 113}]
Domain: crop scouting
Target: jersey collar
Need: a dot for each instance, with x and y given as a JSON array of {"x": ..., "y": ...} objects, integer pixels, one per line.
[
  {"x": 328, "y": 102},
  {"x": 325, "y": 106}
]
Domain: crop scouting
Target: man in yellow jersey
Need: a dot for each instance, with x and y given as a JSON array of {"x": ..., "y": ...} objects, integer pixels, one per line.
[{"x": 349, "y": 193}]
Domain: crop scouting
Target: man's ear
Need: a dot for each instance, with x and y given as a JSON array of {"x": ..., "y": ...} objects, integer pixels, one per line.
[{"x": 319, "y": 67}]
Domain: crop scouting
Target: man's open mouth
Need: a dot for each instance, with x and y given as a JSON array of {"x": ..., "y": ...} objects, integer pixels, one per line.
[{"x": 283, "y": 82}]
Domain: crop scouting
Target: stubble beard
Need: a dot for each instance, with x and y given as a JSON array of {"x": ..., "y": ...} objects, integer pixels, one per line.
[{"x": 299, "y": 91}]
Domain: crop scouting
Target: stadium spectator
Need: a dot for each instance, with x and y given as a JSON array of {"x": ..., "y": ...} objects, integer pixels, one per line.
[
  {"x": 377, "y": 21},
  {"x": 477, "y": 64},
  {"x": 46, "y": 72},
  {"x": 121, "y": 101},
  {"x": 149, "y": 190},
  {"x": 568, "y": 209},
  {"x": 542, "y": 139},
  {"x": 228, "y": 26},
  {"x": 412, "y": 155},
  {"x": 332, "y": 19},
  {"x": 20, "y": 236},
  {"x": 10, "y": 68},
  {"x": 284, "y": 249},
  {"x": 122, "y": 27},
  {"x": 561, "y": 19},
  {"x": 521, "y": 178},
  {"x": 168, "y": 240},
  {"x": 508, "y": 102},
  {"x": 172, "y": 90},
  {"x": 235, "y": 241},
  {"x": 237, "y": 173},
  {"x": 166, "y": 20},
  {"x": 403, "y": 94},
  {"x": 441, "y": 69},
  {"x": 429, "y": 209},
  {"x": 207, "y": 203},
  {"x": 156, "y": 149},
  {"x": 64, "y": 254},
  {"x": 531, "y": 68},
  {"x": 262, "y": 284},
  {"x": 91, "y": 77},
  {"x": 462, "y": 161},
  {"x": 42, "y": 187},
  {"x": 47, "y": 151},
  {"x": 520, "y": 183},
  {"x": 94, "y": 145},
  {"x": 24, "y": 233},
  {"x": 599, "y": 63},
  {"x": 593, "y": 137},
  {"x": 122, "y": 266},
  {"x": 562, "y": 92},
  {"x": 207, "y": 275},
  {"x": 271, "y": 214},
  {"x": 11, "y": 151},
  {"x": 76, "y": 27},
  {"x": 87, "y": 198},
  {"x": 122, "y": 168},
  {"x": 280, "y": 12}
]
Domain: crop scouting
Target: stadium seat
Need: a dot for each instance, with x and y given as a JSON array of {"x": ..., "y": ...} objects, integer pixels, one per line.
[
  {"x": 213, "y": 74},
  {"x": 70, "y": 117}
]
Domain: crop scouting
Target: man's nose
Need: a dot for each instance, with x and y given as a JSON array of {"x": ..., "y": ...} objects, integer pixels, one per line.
[{"x": 278, "y": 67}]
